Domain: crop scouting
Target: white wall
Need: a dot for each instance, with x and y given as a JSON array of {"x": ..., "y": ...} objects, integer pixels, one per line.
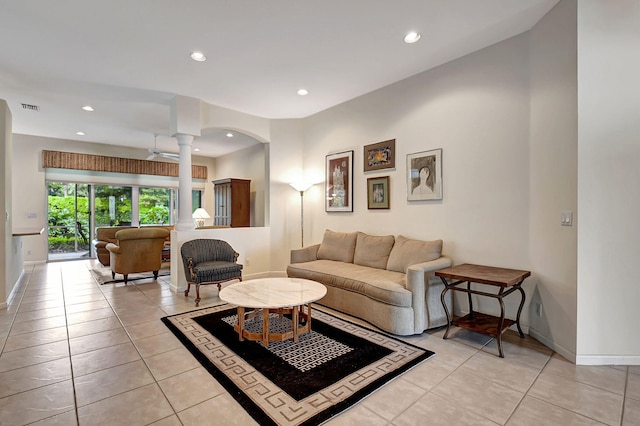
[
  {"x": 608, "y": 176},
  {"x": 477, "y": 110},
  {"x": 6, "y": 220},
  {"x": 553, "y": 161}
]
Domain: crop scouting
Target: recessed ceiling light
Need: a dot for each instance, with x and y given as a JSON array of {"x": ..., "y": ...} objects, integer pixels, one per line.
[
  {"x": 80, "y": 133},
  {"x": 88, "y": 108},
  {"x": 198, "y": 56},
  {"x": 196, "y": 149},
  {"x": 229, "y": 135},
  {"x": 303, "y": 92},
  {"x": 412, "y": 37}
]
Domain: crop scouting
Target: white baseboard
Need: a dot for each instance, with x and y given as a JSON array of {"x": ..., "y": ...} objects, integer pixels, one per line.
[
  {"x": 35, "y": 262},
  {"x": 607, "y": 360}
]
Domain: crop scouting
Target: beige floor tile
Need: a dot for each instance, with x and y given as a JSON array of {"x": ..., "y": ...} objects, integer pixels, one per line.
[
  {"x": 26, "y": 340},
  {"x": 190, "y": 388},
  {"x": 111, "y": 381},
  {"x": 578, "y": 397},
  {"x": 93, "y": 315},
  {"x": 526, "y": 351},
  {"x": 34, "y": 376},
  {"x": 532, "y": 411},
  {"x": 631, "y": 416},
  {"x": 168, "y": 421},
  {"x": 100, "y": 359},
  {"x": 37, "y": 404},
  {"x": 34, "y": 306},
  {"x": 141, "y": 406},
  {"x": 633, "y": 386},
  {"x": 39, "y": 314},
  {"x": 170, "y": 363},
  {"x": 157, "y": 344},
  {"x": 435, "y": 410},
  {"x": 479, "y": 395},
  {"x": 356, "y": 416},
  {"x": 39, "y": 324},
  {"x": 223, "y": 408},
  {"x": 5, "y": 318},
  {"x": 95, "y": 341},
  {"x": 603, "y": 377},
  {"x": 634, "y": 369},
  {"x": 88, "y": 306},
  {"x": 95, "y": 326},
  {"x": 140, "y": 317},
  {"x": 393, "y": 398},
  {"x": 68, "y": 418},
  {"x": 33, "y": 355},
  {"x": 512, "y": 375},
  {"x": 146, "y": 329}
]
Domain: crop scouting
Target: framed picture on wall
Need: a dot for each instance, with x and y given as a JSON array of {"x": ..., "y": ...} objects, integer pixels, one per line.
[
  {"x": 424, "y": 175},
  {"x": 378, "y": 192},
  {"x": 339, "y": 182},
  {"x": 381, "y": 155}
]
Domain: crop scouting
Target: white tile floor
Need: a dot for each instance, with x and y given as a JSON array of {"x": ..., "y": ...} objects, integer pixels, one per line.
[{"x": 74, "y": 352}]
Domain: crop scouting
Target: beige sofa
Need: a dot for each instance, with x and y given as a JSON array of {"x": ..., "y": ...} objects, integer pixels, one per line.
[{"x": 385, "y": 280}]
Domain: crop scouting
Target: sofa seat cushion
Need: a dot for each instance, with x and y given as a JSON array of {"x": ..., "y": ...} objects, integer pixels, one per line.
[{"x": 378, "y": 284}]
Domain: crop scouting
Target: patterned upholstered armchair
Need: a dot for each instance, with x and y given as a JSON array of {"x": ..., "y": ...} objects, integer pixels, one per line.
[{"x": 209, "y": 261}]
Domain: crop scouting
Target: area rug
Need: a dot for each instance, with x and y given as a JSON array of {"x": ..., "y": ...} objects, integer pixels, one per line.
[
  {"x": 305, "y": 383},
  {"x": 103, "y": 275}
]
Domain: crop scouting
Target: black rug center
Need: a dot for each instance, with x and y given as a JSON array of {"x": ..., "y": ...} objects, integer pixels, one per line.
[{"x": 301, "y": 369}]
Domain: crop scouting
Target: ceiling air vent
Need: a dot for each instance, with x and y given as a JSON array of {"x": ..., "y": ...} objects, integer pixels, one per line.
[{"x": 29, "y": 107}]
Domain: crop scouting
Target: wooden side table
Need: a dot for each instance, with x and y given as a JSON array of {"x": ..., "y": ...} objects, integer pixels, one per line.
[{"x": 507, "y": 280}]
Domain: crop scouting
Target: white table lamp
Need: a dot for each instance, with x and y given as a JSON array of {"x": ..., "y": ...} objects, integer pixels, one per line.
[{"x": 200, "y": 215}]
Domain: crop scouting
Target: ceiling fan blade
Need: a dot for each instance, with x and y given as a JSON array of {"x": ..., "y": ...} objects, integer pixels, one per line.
[
  {"x": 151, "y": 157},
  {"x": 169, "y": 156}
]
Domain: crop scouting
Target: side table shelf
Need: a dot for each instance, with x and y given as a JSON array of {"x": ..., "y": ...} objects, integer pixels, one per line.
[{"x": 507, "y": 281}]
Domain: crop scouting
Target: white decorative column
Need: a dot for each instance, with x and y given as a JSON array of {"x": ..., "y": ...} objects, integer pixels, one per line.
[{"x": 185, "y": 207}]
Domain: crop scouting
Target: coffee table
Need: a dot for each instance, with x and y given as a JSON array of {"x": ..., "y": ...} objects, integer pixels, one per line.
[{"x": 267, "y": 295}]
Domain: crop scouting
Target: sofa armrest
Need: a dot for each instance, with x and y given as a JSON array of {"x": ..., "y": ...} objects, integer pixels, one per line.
[
  {"x": 306, "y": 254},
  {"x": 418, "y": 278},
  {"x": 114, "y": 248},
  {"x": 100, "y": 244}
]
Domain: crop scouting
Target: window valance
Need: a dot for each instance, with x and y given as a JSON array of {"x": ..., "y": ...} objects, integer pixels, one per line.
[{"x": 100, "y": 163}]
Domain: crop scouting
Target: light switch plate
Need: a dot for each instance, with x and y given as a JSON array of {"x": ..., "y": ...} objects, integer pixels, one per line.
[{"x": 566, "y": 218}]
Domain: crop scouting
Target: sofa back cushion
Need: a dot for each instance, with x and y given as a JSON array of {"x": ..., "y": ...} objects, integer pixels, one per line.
[
  {"x": 338, "y": 246},
  {"x": 373, "y": 250},
  {"x": 407, "y": 252}
]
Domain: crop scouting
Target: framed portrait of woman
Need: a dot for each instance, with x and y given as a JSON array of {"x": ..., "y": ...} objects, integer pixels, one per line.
[{"x": 424, "y": 175}]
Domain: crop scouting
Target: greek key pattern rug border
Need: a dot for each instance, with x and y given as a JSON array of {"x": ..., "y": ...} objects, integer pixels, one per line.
[{"x": 264, "y": 400}]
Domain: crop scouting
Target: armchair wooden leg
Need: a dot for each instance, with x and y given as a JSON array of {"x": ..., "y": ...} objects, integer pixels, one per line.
[
  {"x": 126, "y": 277},
  {"x": 197, "y": 294},
  {"x": 155, "y": 275},
  {"x": 113, "y": 275},
  {"x": 186, "y": 292}
]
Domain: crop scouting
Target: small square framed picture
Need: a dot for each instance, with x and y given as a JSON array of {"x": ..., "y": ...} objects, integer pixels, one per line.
[
  {"x": 381, "y": 155},
  {"x": 378, "y": 192},
  {"x": 424, "y": 175}
]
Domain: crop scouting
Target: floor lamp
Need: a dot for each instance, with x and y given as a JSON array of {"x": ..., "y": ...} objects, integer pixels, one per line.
[{"x": 301, "y": 187}]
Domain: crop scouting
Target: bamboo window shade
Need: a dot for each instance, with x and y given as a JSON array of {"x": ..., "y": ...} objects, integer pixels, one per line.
[{"x": 100, "y": 163}]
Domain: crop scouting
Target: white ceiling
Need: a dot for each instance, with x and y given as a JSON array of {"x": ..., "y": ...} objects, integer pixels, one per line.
[{"x": 129, "y": 58}]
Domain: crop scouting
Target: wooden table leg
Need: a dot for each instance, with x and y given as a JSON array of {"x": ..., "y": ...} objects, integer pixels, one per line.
[
  {"x": 265, "y": 327},
  {"x": 241, "y": 322},
  {"x": 295, "y": 322}
]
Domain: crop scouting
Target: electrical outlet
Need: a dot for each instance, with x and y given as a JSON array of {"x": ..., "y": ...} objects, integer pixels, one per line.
[
  {"x": 539, "y": 309},
  {"x": 28, "y": 252},
  {"x": 247, "y": 261}
]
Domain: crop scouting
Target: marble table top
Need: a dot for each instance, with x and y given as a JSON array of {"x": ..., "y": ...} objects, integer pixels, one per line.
[{"x": 273, "y": 292}]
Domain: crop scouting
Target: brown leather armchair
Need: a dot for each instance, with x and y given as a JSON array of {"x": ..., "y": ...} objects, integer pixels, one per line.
[{"x": 138, "y": 250}]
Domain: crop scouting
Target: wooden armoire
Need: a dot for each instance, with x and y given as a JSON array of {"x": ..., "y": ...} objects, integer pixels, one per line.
[{"x": 232, "y": 199}]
